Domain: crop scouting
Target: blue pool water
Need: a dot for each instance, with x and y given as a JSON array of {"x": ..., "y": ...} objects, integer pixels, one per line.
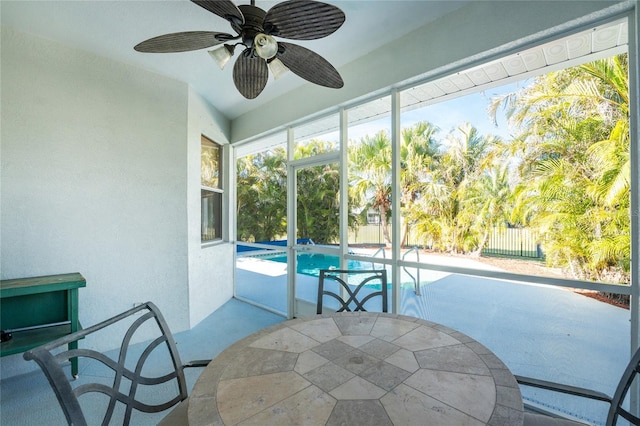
[{"x": 311, "y": 264}]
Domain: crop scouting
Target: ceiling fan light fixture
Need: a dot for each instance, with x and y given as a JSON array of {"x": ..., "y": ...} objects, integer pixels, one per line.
[
  {"x": 254, "y": 29},
  {"x": 222, "y": 54},
  {"x": 278, "y": 69},
  {"x": 265, "y": 45}
]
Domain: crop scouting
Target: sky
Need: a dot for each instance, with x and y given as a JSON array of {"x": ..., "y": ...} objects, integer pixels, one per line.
[
  {"x": 448, "y": 115},
  {"x": 471, "y": 108}
]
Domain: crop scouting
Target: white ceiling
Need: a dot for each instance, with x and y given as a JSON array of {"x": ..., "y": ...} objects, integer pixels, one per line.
[{"x": 112, "y": 28}]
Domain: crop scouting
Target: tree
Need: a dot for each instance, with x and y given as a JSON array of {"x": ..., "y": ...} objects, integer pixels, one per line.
[
  {"x": 262, "y": 196},
  {"x": 261, "y": 209},
  {"x": 489, "y": 200},
  {"x": 435, "y": 178},
  {"x": 449, "y": 214},
  {"x": 575, "y": 166},
  {"x": 418, "y": 156},
  {"x": 461, "y": 165},
  {"x": 370, "y": 176},
  {"x": 318, "y": 195}
]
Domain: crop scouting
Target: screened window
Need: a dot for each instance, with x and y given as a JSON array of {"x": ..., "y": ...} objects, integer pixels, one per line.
[{"x": 211, "y": 190}]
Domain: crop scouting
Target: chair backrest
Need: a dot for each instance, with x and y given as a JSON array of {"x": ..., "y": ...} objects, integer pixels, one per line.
[
  {"x": 115, "y": 385},
  {"x": 357, "y": 287},
  {"x": 616, "y": 411}
]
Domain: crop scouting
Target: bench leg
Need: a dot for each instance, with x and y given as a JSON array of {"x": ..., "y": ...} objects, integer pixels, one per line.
[{"x": 74, "y": 361}]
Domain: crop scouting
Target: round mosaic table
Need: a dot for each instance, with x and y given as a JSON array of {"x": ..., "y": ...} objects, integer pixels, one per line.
[{"x": 356, "y": 369}]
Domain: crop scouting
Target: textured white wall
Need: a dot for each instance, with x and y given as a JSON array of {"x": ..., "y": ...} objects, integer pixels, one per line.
[
  {"x": 210, "y": 266},
  {"x": 472, "y": 30},
  {"x": 94, "y": 179}
]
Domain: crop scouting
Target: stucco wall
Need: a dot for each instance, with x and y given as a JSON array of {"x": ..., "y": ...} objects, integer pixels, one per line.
[
  {"x": 211, "y": 265},
  {"x": 94, "y": 179}
]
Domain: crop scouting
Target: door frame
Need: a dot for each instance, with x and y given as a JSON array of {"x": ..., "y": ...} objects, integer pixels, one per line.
[{"x": 297, "y": 307}]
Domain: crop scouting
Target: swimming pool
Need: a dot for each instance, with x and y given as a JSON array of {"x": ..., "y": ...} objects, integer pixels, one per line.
[{"x": 311, "y": 264}]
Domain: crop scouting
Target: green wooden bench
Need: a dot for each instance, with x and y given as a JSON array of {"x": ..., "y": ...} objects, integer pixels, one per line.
[{"x": 37, "y": 310}]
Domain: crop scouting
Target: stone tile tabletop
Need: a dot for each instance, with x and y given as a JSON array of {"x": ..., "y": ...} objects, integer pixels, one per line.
[{"x": 356, "y": 369}]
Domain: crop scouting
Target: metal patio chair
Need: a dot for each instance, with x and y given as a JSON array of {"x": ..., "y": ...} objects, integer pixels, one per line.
[
  {"x": 615, "y": 403},
  {"x": 352, "y": 302},
  {"x": 118, "y": 387}
]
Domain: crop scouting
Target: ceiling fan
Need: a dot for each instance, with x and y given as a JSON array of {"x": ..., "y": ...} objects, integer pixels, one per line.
[{"x": 256, "y": 29}]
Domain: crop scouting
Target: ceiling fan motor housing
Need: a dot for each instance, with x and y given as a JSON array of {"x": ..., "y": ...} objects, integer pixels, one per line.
[{"x": 253, "y": 19}]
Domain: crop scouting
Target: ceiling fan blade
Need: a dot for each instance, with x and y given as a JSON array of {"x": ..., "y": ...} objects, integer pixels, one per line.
[
  {"x": 223, "y": 8},
  {"x": 303, "y": 19},
  {"x": 182, "y": 42},
  {"x": 250, "y": 74},
  {"x": 309, "y": 65}
]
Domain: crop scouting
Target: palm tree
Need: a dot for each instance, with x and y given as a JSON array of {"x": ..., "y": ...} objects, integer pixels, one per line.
[
  {"x": 575, "y": 169},
  {"x": 370, "y": 171},
  {"x": 462, "y": 163},
  {"x": 370, "y": 176},
  {"x": 419, "y": 151},
  {"x": 488, "y": 199},
  {"x": 318, "y": 190},
  {"x": 261, "y": 208}
]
